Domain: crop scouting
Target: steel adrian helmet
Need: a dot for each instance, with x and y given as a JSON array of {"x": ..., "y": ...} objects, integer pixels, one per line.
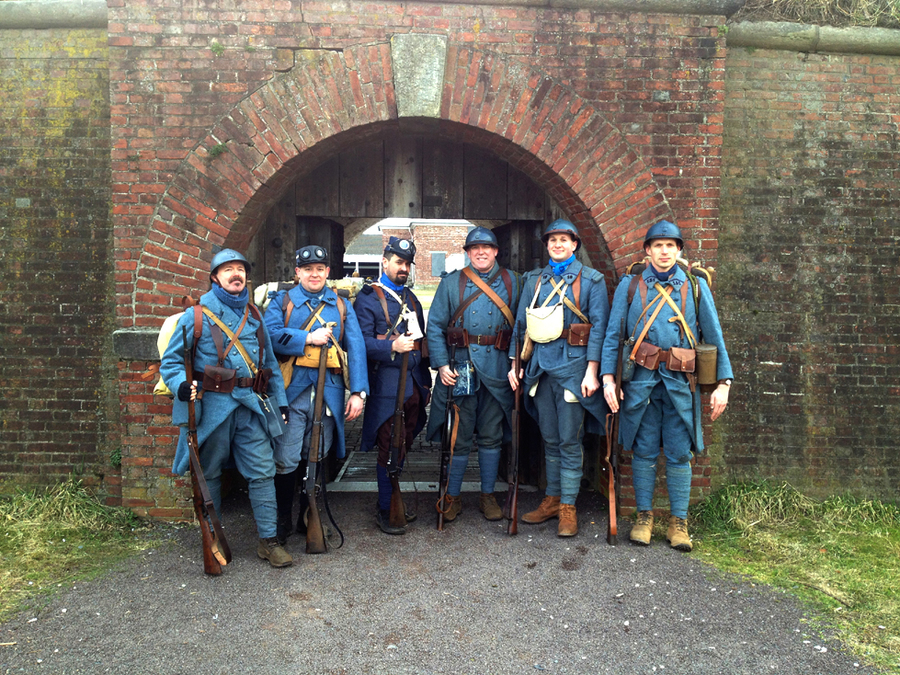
[
  {"x": 562, "y": 226},
  {"x": 311, "y": 255},
  {"x": 227, "y": 255},
  {"x": 402, "y": 248},
  {"x": 664, "y": 230},
  {"x": 481, "y": 235}
]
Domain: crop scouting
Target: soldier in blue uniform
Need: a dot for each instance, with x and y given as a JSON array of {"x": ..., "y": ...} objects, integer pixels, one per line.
[
  {"x": 473, "y": 309},
  {"x": 232, "y": 421},
  {"x": 565, "y": 307},
  {"x": 391, "y": 320},
  {"x": 302, "y": 320},
  {"x": 660, "y": 406}
]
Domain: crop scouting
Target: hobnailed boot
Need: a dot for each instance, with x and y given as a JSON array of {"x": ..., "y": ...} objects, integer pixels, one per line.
[
  {"x": 568, "y": 521},
  {"x": 643, "y": 528},
  {"x": 383, "y": 518},
  {"x": 487, "y": 504},
  {"x": 453, "y": 506},
  {"x": 269, "y": 549},
  {"x": 285, "y": 485},
  {"x": 548, "y": 509},
  {"x": 677, "y": 534}
]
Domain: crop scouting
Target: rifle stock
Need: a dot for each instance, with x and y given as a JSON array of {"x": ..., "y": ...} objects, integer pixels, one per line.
[
  {"x": 397, "y": 516},
  {"x": 611, "y": 461},
  {"x": 216, "y": 551},
  {"x": 447, "y": 442},
  {"x": 315, "y": 532},
  {"x": 512, "y": 470}
]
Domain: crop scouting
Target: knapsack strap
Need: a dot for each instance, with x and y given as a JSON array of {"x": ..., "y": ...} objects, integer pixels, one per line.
[
  {"x": 488, "y": 291},
  {"x": 382, "y": 298},
  {"x": 678, "y": 313},
  {"x": 231, "y": 336},
  {"x": 649, "y": 323},
  {"x": 464, "y": 304}
]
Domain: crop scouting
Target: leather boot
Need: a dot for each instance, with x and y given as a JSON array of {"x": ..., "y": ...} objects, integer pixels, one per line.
[
  {"x": 285, "y": 485},
  {"x": 548, "y": 509},
  {"x": 643, "y": 528},
  {"x": 568, "y": 521},
  {"x": 489, "y": 507},
  {"x": 269, "y": 549},
  {"x": 677, "y": 535},
  {"x": 453, "y": 506},
  {"x": 383, "y": 518}
]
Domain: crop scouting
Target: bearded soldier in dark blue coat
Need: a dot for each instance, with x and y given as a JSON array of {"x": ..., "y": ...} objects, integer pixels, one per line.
[
  {"x": 391, "y": 320},
  {"x": 303, "y": 320},
  {"x": 565, "y": 308},
  {"x": 473, "y": 310},
  {"x": 232, "y": 419},
  {"x": 660, "y": 403}
]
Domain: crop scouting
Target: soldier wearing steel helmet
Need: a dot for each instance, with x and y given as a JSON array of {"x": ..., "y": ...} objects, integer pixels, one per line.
[
  {"x": 311, "y": 313},
  {"x": 391, "y": 319},
  {"x": 659, "y": 405},
  {"x": 480, "y": 331},
  {"x": 565, "y": 307},
  {"x": 231, "y": 423}
]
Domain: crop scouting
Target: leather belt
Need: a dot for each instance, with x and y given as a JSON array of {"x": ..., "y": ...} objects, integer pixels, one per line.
[
  {"x": 238, "y": 381},
  {"x": 483, "y": 340}
]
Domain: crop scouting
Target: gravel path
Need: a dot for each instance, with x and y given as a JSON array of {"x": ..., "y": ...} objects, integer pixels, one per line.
[{"x": 466, "y": 600}]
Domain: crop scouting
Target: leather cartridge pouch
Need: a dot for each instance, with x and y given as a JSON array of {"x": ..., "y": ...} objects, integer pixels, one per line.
[
  {"x": 219, "y": 379},
  {"x": 544, "y": 324},
  {"x": 503, "y": 339},
  {"x": 457, "y": 337},
  {"x": 647, "y": 356},
  {"x": 681, "y": 360},
  {"x": 707, "y": 362},
  {"x": 261, "y": 380},
  {"x": 579, "y": 334},
  {"x": 310, "y": 357}
]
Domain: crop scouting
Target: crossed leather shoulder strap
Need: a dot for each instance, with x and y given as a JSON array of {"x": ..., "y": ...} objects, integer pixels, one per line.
[{"x": 488, "y": 291}]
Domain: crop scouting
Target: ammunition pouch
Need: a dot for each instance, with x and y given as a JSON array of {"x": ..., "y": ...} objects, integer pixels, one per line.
[
  {"x": 219, "y": 379},
  {"x": 579, "y": 333},
  {"x": 647, "y": 355},
  {"x": 261, "y": 380},
  {"x": 457, "y": 337},
  {"x": 681, "y": 360}
]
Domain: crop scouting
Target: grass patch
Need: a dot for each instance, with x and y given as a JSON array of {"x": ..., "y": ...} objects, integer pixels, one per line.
[
  {"x": 57, "y": 535},
  {"x": 841, "y": 556}
]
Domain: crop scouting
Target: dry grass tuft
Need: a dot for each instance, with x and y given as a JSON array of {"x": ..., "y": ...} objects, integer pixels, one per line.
[{"x": 841, "y": 13}]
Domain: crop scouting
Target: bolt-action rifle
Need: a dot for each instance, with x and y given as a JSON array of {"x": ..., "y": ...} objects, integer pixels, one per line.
[
  {"x": 611, "y": 460},
  {"x": 448, "y": 441},
  {"x": 397, "y": 454},
  {"x": 511, "y": 507},
  {"x": 315, "y": 531},
  {"x": 216, "y": 551}
]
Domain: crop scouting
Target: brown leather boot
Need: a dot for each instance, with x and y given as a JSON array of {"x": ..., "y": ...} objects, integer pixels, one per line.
[
  {"x": 643, "y": 528},
  {"x": 487, "y": 504},
  {"x": 568, "y": 521},
  {"x": 548, "y": 509},
  {"x": 677, "y": 535},
  {"x": 269, "y": 549},
  {"x": 453, "y": 506}
]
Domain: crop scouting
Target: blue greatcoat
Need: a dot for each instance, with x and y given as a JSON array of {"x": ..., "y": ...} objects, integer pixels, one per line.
[
  {"x": 664, "y": 335},
  {"x": 291, "y": 340},
  {"x": 482, "y": 317},
  {"x": 216, "y": 407},
  {"x": 384, "y": 364},
  {"x": 563, "y": 362}
]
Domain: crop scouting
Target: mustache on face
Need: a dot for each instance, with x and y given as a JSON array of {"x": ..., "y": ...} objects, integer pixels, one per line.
[{"x": 235, "y": 278}]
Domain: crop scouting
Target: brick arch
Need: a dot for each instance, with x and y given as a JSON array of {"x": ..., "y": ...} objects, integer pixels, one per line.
[{"x": 333, "y": 100}]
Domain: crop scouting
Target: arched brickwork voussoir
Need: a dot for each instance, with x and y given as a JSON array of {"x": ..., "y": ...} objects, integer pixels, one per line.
[{"x": 331, "y": 100}]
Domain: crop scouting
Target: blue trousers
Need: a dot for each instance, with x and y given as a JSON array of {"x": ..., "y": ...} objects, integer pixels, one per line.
[
  {"x": 661, "y": 425},
  {"x": 480, "y": 418},
  {"x": 243, "y": 436},
  {"x": 562, "y": 428},
  {"x": 293, "y": 445}
]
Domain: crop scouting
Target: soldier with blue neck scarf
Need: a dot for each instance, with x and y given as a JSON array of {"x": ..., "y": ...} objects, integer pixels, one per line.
[
  {"x": 391, "y": 319},
  {"x": 660, "y": 406},
  {"x": 565, "y": 308},
  {"x": 231, "y": 423},
  {"x": 310, "y": 314}
]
